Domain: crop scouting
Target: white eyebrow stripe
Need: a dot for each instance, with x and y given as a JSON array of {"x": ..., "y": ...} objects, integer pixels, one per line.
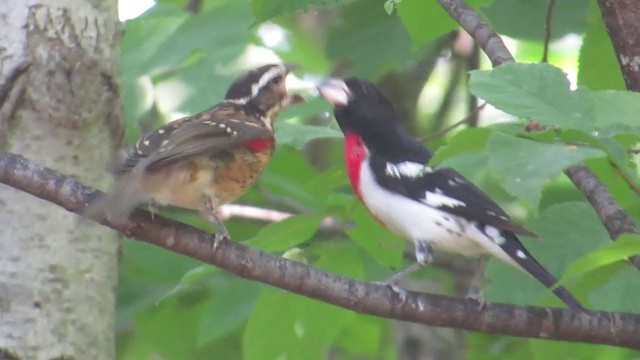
[{"x": 264, "y": 80}]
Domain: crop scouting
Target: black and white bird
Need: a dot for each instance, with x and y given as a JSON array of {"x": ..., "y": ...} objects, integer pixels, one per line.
[{"x": 434, "y": 208}]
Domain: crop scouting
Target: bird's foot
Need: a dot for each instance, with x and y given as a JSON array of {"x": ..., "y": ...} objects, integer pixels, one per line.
[
  {"x": 219, "y": 237},
  {"x": 209, "y": 212},
  {"x": 393, "y": 281},
  {"x": 475, "y": 295},
  {"x": 474, "y": 292},
  {"x": 392, "y": 284}
]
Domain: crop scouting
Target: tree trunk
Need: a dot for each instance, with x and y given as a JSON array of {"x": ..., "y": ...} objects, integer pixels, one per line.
[{"x": 59, "y": 106}]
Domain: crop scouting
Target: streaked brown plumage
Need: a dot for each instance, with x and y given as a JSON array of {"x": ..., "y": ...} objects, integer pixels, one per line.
[{"x": 203, "y": 161}]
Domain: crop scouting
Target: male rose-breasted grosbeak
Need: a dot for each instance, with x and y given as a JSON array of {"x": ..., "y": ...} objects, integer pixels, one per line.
[
  {"x": 206, "y": 160},
  {"x": 434, "y": 208}
]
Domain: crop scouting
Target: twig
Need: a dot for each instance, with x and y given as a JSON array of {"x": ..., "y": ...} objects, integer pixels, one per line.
[
  {"x": 547, "y": 31},
  {"x": 620, "y": 329},
  {"x": 328, "y": 225},
  {"x": 614, "y": 218},
  {"x": 466, "y": 119},
  {"x": 473, "y": 63},
  {"x": 287, "y": 201}
]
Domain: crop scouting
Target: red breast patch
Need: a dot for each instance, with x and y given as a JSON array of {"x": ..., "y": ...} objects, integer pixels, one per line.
[
  {"x": 354, "y": 154},
  {"x": 259, "y": 145}
]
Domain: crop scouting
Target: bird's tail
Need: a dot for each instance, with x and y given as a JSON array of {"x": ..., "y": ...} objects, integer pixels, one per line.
[
  {"x": 526, "y": 262},
  {"x": 118, "y": 203}
]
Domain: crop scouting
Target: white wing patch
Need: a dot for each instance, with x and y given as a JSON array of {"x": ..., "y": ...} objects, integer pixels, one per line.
[
  {"x": 407, "y": 169},
  {"x": 437, "y": 200},
  {"x": 494, "y": 234}
]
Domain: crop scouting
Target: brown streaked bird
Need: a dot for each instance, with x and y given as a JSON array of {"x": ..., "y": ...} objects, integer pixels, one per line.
[{"x": 203, "y": 161}]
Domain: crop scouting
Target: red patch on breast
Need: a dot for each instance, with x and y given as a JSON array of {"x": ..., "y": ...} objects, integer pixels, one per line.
[
  {"x": 259, "y": 145},
  {"x": 354, "y": 154}
]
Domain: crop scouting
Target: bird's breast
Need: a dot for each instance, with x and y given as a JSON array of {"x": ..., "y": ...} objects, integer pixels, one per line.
[
  {"x": 223, "y": 177},
  {"x": 355, "y": 154},
  {"x": 415, "y": 221}
]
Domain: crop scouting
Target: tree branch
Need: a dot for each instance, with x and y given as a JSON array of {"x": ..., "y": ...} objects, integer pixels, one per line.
[
  {"x": 593, "y": 189},
  {"x": 621, "y": 329},
  {"x": 622, "y": 19}
]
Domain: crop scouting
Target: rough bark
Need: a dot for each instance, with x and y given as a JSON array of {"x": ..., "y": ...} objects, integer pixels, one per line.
[
  {"x": 59, "y": 105},
  {"x": 622, "y": 18},
  {"x": 598, "y": 327}
]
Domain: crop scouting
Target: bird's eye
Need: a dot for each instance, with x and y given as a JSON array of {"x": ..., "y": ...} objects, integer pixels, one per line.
[{"x": 276, "y": 81}]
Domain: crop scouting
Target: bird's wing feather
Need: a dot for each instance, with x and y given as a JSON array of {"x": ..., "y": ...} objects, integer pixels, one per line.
[
  {"x": 220, "y": 128},
  {"x": 449, "y": 191}
]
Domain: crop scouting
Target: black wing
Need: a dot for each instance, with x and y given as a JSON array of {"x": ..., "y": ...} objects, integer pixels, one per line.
[
  {"x": 475, "y": 205},
  {"x": 220, "y": 128}
]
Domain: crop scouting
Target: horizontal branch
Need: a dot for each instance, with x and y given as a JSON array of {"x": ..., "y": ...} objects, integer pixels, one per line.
[
  {"x": 621, "y": 329},
  {"x": 612, "y": 215}
]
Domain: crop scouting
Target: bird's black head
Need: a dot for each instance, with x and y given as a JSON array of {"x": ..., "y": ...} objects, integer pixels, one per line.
[
  {"x": 263, "y": 88},
  {"x": 362, "y": 108}
]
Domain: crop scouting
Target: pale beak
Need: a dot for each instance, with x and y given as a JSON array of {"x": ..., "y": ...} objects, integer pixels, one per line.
[
  {"x": 335, "y": 91},
  {"x": 292, "y": 98}
]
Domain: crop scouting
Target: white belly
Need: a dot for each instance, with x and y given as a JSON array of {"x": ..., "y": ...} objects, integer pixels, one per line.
[{"x": 417, "y": 221}]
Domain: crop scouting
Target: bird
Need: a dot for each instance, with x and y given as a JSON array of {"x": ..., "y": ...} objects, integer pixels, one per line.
[
  {"x": 435, "y": 208},
  {"x": 203, "y": 161}
]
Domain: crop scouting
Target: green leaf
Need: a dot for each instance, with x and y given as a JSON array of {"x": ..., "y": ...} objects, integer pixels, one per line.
[
  {"x": 545, "y": 349},
  {"x": 363, "y": 335},
  {"x": 624, "y": 246},
  {"x": 616, "y": 107},
  {"x": 525, "y": 19},
  {"x": 284, "y": 325},
  {"x": 324, "y": 185},
  {"x": 567, "y": 231},
  {"x": 282, "y": 235},
  {"x": 267, "y": 9},
  {"x": 416, "y": 13},
  {"x": 537, "y": 91},
  {"x": 357, "y": 39},
  {"x": 526, "y": 166},
  {"x": 617, "y": 290},
  {"x": 598, "y": 67},
  {"x": 470, "y": 140},
  {"x": 302, "y": 47},
  {"x": 227, "y": 309},
  {"x": 146, "y": 274},
  {"x": 380, "y": 243},
  {"x": 298, "y": 135},
  {"x": 171, "y": 328}
]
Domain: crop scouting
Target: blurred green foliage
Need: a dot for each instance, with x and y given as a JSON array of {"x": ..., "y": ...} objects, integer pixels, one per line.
[{"x": 175, "y": 63}]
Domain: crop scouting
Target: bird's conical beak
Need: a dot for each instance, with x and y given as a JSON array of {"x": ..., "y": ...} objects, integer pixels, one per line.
[
  {"x": 291, "y": 98},
  {"x": 335, "y": 91}
]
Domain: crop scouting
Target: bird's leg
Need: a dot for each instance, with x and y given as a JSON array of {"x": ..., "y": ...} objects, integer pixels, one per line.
[
  {"x": 475, "y": 288},
  {"x": 152, "y": 207},
  {"x": 424, "y": 252},
  {"x": 209, "y": 212},
  {"x": 424, "y": 257}
]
